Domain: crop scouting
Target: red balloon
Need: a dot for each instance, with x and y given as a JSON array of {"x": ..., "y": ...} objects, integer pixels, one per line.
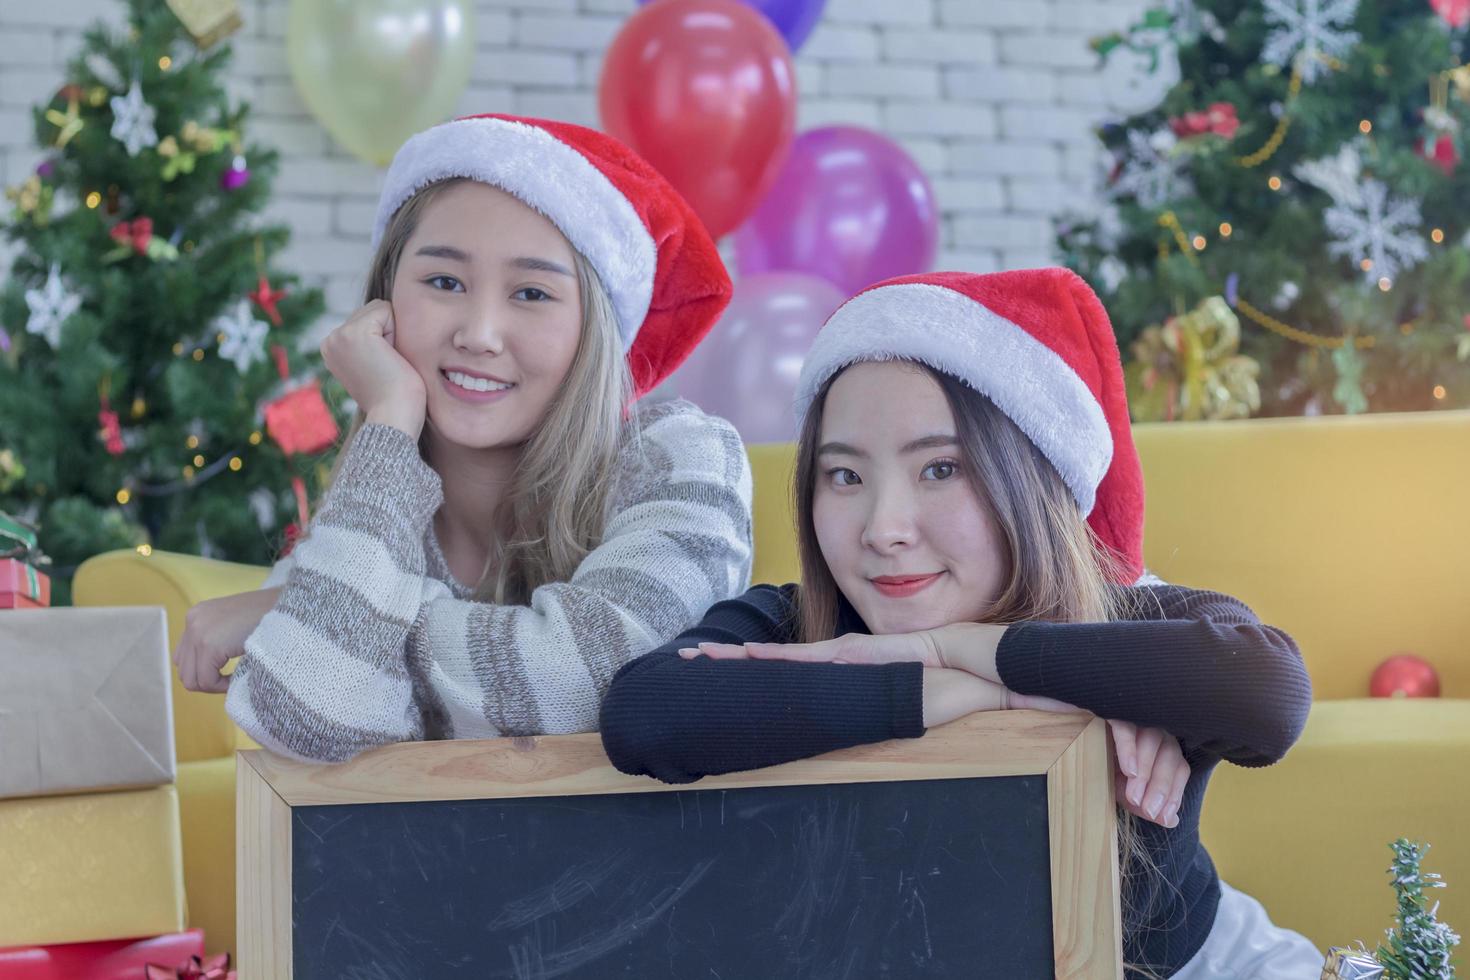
[
  {"x": 1404, "y": 675},
  {"x": 705, "y": 91}
]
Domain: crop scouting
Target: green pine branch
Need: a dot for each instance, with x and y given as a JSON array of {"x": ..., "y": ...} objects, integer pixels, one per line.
[{"x": 1419, "y": 946}]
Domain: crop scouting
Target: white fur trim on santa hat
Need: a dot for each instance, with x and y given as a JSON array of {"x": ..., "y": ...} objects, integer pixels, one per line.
[
  {"x": 955, "y": 334},
  {"x": 552, "y": 178}
]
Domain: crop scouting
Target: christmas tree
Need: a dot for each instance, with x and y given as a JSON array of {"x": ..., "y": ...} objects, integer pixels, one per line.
[
  {"x": 151, "y": 394},
  {"x": 1418, "y": 948},
  {"x": 1306, "y": 170}
]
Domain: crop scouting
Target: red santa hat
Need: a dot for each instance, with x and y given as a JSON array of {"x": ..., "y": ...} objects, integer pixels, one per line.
[
  {"x": 1037, "y": 343},
  {"x": 653, "y": 255}
]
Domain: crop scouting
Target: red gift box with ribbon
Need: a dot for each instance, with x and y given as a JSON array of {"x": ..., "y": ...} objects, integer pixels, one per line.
[{"x": 22, "y": 586}]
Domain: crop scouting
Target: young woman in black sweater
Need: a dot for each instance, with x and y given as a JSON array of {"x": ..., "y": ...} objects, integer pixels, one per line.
[{"x": 970, "y": 511}]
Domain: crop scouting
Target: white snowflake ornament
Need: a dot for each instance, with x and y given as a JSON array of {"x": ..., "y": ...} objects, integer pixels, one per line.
[
  {"x": 132, "y": 120},
  {"x": 1152, "y": 173},
  {"x": 1309, "y": 32},
  {"x": 244, "y": 336},
  {"x": 1379, "y": 233},
  {"x": 1339, "y": 175},
  {"x": 50, "y": 307}
]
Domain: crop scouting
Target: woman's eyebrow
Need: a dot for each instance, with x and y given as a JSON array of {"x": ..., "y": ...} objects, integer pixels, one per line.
[
  {"x": 531, "y": 264},
  {"x": 936, "y": 441},
  {"x": 444, "y": 252},
  {"x": 840, "y": 449}
]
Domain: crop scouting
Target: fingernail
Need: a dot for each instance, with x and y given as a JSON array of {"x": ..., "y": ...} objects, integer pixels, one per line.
[
  {"x": 1155, "y": 803},
  {"x": 1173, "y": 821},
  {"x": 688, "y": 652},
  {"x": 1130, "y": 766},
  {"x": 1134, "y": 791}
]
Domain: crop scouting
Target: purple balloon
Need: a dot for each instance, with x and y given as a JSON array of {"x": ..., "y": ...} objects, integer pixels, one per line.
[
  {"x": 795, "y": 19},
  {"x": 850, "y": 206},
  {"x": 746, "y": 369}
]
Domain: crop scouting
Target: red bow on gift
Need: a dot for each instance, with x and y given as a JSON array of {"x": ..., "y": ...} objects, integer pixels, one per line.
[
  {"x": 1219, "y": 119},
  {"x": 135, "y": 233},
  {"x": 214, "y": 968}
]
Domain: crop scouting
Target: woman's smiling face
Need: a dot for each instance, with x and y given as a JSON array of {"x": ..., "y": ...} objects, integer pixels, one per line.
[
  {"x": 900, "y": 523},
  {"x": 487, "y": 309}
]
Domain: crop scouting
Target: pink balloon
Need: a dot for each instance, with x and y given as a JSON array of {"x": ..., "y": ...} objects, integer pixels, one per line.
[
  {"x": 746, "y": 369},
  {"x": 849, "y": 206}
]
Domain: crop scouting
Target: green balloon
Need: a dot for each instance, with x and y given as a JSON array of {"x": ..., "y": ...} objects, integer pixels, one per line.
[{"x": 374, "y": 72}]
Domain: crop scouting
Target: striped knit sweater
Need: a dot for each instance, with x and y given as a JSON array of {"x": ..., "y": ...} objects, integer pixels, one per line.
[{"x": 372, "y": 640}]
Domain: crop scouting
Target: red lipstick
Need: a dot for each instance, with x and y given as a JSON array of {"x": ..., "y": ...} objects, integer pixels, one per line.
[{"x": 902, "y": 586}]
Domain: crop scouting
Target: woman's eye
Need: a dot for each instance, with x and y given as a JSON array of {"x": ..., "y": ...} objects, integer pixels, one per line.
[
  {"x": 532, "y": 294},
  {"x": 843, "y": 477},
  {"x": 448, "y": 283},
  {"x": 941, "y": 470}
]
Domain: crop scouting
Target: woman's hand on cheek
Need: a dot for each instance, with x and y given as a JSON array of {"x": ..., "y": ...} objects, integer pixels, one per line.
[
  {"x": 361, "y": 354},
  {"x": 1152, "y": 772}
]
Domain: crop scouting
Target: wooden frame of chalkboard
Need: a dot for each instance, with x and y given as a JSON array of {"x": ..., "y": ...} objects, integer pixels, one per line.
[{"x": 1073, "y": 752}]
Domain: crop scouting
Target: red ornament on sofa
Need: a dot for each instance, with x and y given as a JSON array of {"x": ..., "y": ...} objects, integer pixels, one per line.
[{"x": 1404, "y": 676}]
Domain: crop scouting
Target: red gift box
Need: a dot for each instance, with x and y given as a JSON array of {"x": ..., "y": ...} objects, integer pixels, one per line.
[
  {"x": 23, "y": 587},
  {"x": 114, "y": 959}
]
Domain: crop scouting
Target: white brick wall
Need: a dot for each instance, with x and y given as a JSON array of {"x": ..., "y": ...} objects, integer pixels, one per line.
[{"x": 995, "y": 99}]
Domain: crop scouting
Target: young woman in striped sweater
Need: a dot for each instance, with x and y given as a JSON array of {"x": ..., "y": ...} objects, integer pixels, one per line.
[
  {"x": 505, "y": 527},
  {"x": 970, "y": 513}
]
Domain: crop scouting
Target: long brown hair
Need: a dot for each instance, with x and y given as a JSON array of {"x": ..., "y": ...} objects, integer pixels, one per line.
[
  {"x": 1056, "y": 569},
  {"x": 554, "y": 511}
]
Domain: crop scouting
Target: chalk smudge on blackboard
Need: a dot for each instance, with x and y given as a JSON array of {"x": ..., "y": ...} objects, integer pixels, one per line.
[
  {"x": 574, "y": 884},
  {"x": 821, "y": 854},
  {"x": 530, "y": 962}
]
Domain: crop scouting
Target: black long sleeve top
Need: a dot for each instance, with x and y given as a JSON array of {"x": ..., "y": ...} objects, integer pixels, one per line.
[{"x": 1197, "y": 664}]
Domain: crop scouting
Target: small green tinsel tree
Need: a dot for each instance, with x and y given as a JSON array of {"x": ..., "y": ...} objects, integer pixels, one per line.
[
  {"x": 142, "y": 315},
  {"x": 1308, "y": 167},
  {"x": 1418, "y": 948}
]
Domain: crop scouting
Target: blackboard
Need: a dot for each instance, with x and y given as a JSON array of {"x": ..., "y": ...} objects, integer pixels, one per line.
[
  {"x": 827, "y": 881},
  {"x": 986, "y": 848}
]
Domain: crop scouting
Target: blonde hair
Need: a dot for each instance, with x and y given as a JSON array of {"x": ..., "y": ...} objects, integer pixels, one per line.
[
  {"x": 1056, "y": 568},
  {"x": 554, "y": 512}
]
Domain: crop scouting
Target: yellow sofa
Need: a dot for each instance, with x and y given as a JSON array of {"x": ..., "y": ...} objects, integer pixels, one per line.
[{"x": 1354, "y": 534}]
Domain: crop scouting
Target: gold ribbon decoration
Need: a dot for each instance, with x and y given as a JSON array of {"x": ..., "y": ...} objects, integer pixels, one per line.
[{"x": 1190, "y": 368}]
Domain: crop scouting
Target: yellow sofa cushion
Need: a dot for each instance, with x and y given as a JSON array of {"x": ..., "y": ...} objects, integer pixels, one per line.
[
  {"x": 1309, "y": 836},
  {"x": 1350, "y": 533},
  {"x": 771, "y": 506},
  {"x": 89, "y": 867}
]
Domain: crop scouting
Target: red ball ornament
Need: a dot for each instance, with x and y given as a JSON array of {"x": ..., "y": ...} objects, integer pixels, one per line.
[{"x": 1404, "y": 676}]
